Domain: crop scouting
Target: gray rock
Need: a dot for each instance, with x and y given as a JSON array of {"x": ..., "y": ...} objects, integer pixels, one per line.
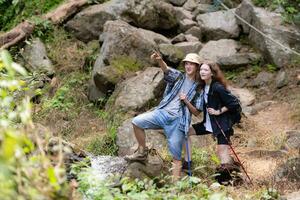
[
  {"x": 190, "y": 5},
  {"x": 178, "y": 38},
  {"x": 151, "y": 168},
  {"x": 292, "y": 139},
  {"x": 262, "y": 79},
  {"x": 218, "y": 25},
  {"x": 213, "y": 50},
  {"x": 94, "y": 94},
  {"x": 36, "y": 58},
  {"x": 202, "y": 8},
  {"x": 177, "y": 2},
  {"x": 252, "y": 110},
  {"x": 290, "y": 170},
  {"x": 189, "y": 47},
  {"x": 88, "y": 24},
  {"x": 123, "y": 45},
  {"x": 267, "y": 153},
  {"x": 245, "y": 96},
  {"x": 271, "y": 25},
  {"x": 191, "y": 38},
  {"x": 281, "y": 79},
  {"x": 152, "y": 15},
  {"x": 195, "y": 31},
  {"x": 138, "y": 92},
  {"x": 238, "y": 60},
  {"x": 172, "y": 53},
  {"x": 249, "y": 110},
  {"x": 181, "y": 13},
  {"x": 186, "y": 24},
  {"x": 127, "y": 143}
]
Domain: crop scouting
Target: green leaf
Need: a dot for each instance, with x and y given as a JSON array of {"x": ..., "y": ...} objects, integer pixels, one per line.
[
  {"x": 52, "y": 178},
  {"x": 7, "y": 60}
]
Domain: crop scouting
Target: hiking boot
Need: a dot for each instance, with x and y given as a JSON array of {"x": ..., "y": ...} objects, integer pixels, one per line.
[
  {"x": 140, "y": 154},
  {"x": 228, "y": 174}
]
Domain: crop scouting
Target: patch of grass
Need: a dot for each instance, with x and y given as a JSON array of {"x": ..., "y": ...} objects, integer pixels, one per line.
[
  {"x": 187, "y": 188},
  {"x": 65, "y": 98},
  {"x": 125, "y": 64},
  {"x": 231, "y": 75},
  {"x": 14, "y": 12},
  {"x": 106, "y": 144},
  {"x": 271, "y": 68},
  {"x": 68, "y": 54},
  {"x": 205, "y": 162}
]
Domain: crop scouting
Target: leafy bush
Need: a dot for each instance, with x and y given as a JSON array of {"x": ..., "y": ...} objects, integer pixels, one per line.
[
  {"x": 188, "y": 188},
  {"x": 14, "y": 11},
  {"x": 26, "y": 171},
  {"x": 291, "y": 8}
]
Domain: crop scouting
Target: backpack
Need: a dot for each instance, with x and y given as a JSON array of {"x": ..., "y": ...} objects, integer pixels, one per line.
[{"x": 236, "y": 114}]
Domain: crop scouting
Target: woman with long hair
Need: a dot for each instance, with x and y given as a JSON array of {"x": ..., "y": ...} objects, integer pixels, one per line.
[{"x": 218, "y": 102}]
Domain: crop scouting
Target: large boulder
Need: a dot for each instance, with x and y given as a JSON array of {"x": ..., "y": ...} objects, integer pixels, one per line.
[
  {"x": 246, "y": 97},
  {"x": 138, "y": 92},
  {"x": 189, "y": 47},
  {"x": 272, "y": 25},
  {"x": 213, "y": 50},
  {"x": 219, "y": 25},
  {"x": 151, "y": 14},
  {"x": 151, "y": 168},
  {"x": 127, "y": 143},
  {"x": 36, "y": 59},
  {"x": 172, "y": 53},
  {"x": 88, "y": 24},
  {"x": 227, "y": 53},
  {"x": 238, "y": 60},
  {"x": 124, "y": 48}
]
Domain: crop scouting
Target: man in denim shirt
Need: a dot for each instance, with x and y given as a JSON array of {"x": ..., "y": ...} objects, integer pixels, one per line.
[{"x": 173, "y": 114}]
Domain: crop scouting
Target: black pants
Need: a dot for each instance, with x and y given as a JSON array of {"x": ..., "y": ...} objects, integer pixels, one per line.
[{"x": 201, "y": 130}]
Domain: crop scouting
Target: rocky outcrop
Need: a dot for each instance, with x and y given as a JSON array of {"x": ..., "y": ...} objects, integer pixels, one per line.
[
  {"x": 272, "y": 25},
  {"x": 227, "y": 53},
  {"x": 88, "y": 24},
  {"x": 138, "y": 92},
  {"x": 218, "y": 25},
  {"x": 124, "y": 49},
  {"x": 127, "y": 143},
  {"x": 36, "y": 59},
  {"x": 153, "y": 15}
]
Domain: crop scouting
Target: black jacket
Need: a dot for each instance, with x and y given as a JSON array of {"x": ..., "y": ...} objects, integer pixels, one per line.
[{"x": 218, "y": 97}]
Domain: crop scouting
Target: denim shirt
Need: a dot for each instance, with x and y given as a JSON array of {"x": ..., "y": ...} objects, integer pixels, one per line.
[{"x": 175, "y": 79}]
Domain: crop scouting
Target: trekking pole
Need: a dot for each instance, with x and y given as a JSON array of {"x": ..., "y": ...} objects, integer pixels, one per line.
[
  {"x": 233, "y": 151},
  {"x": 188, "y": 155}
]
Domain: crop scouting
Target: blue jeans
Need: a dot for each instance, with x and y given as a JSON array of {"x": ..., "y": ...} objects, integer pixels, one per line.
[{"x": 161, "y": 119}]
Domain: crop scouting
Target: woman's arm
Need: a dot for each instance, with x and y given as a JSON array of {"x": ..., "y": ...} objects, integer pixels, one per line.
[
  {"x": 212, "y": 111},
  {"x": 190, "y": 106}
]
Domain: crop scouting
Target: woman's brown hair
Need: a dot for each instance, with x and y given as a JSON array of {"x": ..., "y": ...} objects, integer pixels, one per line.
[{"x": 217, "y": 74}]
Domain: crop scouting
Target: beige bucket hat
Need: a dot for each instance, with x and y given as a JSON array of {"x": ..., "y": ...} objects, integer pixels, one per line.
[{"x": 192, "y": 57}]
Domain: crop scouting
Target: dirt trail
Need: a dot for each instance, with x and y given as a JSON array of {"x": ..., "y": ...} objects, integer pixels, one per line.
[{"x": 260, "y": 140}]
